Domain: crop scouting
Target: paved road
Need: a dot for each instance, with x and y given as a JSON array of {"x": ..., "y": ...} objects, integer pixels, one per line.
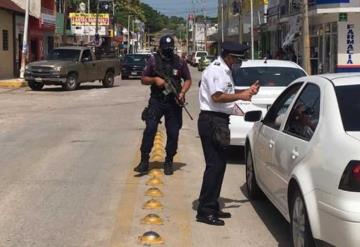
[{"x": 66, "y": 177}]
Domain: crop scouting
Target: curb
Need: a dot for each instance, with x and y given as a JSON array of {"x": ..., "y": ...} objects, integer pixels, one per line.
[{"x": 13, "y": 83}]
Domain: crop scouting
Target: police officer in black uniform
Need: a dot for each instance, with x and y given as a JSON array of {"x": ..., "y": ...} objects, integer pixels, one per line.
[
  {"x": 217, "y": 96},
  {"x": 168, "y": 63}
]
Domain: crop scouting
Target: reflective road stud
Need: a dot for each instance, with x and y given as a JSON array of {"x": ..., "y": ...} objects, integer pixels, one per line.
[
  {"x": 152, "y": 219},
  {"x": 152, "y": 204},
  {"x": 154, "y": 192},
  {"x": 150, "y": 237},
  {"x": 156, "y": 173},
  {"x": 154, "y": 182}
]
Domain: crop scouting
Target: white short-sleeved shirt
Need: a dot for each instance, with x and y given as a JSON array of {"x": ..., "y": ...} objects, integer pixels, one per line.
[{"x": 217, "y": 77}]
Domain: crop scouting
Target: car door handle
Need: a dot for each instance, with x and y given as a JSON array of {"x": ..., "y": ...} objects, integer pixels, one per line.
[
  {"x": 271, "y": 144},
  {"x": 294, "y": 154}
]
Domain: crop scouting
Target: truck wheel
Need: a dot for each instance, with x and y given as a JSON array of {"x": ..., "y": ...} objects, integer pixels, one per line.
[
  {"x": 35, "y": 86},
  {"x": 109, "y": 79},
  {"x": 71, "y": 82}
]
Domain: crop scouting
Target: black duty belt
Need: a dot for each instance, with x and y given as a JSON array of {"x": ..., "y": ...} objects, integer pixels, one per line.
[{"x": 216, "y": 114}]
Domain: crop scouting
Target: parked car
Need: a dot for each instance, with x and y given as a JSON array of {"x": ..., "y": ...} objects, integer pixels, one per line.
[
  {"x": 197, "y": 56},
  {"x": 204, "y": 62},
  {"x": 70, "y": 66},
  {"x": 133, "y": 65},
  {"x": 305, "y": 157},
  {"x": 274, "y": 76}
]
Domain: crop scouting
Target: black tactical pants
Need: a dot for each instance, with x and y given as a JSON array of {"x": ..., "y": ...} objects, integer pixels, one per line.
[
  {"x": 215, "y": 159},
  {"x": 173, "y": 122}
]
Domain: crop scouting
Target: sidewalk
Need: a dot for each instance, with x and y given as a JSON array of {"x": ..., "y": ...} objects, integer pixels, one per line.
[{"x": 13, "y": 83}]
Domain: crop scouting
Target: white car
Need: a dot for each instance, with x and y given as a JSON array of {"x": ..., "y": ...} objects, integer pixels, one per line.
[
  {"x": 197, "y": 57},
  {"x": 305, "y": 157},
  {"x": 274, "y": 77}
]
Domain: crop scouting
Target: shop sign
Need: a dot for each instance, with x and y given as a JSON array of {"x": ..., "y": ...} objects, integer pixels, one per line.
[
  {"x": 350, "y": 41},
  {"x": 343, "y": 17},
  {"x": 85, "y": 19}
]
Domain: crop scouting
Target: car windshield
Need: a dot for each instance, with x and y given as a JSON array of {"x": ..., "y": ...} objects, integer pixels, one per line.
[
  {"x": 64, "y": 54},
  {"x": 268, "y": 76},
  {"x": 349, "y": 104},
  {"x": 201, "y": 54},
  {"x": 136, "y": 58}
]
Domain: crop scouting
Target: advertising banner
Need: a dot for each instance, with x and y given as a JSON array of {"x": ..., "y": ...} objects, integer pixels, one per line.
[{"x": 85, "y": 19}]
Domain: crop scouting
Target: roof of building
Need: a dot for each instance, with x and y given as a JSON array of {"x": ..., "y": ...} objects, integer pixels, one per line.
[{"x": 7, "y": 4}]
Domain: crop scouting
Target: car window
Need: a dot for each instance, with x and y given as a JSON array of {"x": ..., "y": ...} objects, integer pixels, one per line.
[
  {"x": 268, "y": 76},
  {"x": 87, "y": 54},
  {"x": 349, "y": 104},
  {"x": 276, "y": 114},
  {"x": 64, "y": 54},
  {"x": 304, "y": 116},
  {"x": 201, "y": 54},
  {"x": 136, "y": 58}
]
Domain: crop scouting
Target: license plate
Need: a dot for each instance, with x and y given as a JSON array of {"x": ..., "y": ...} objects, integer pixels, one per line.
[
  {"x": 134, "y": 73},
  {"x": 38, "y": 79}
]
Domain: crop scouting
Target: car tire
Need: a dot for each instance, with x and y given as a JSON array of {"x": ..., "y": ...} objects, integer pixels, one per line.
[
  {"x": 71, "y": 82},
  {"x": 299, "y": 222},
  {"x": 35, "y": 86},
  {"x": 109, "y": 79},
  {"x": 124, "y": 77},
  {"x": 253, "y": 190}
]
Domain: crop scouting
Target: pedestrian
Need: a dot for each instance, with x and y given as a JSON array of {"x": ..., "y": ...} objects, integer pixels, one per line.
[
  {"x": 167, "y": 62},
  {"x": 217, "y": 96}
]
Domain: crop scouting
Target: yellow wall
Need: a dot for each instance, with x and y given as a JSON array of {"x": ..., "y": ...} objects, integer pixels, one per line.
[{"x": 6, "y": 57}]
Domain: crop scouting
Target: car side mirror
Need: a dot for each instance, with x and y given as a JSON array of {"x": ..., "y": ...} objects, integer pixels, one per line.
[
  {"x": 85, "y": 59},
  {"x": 253, "y": 116}
]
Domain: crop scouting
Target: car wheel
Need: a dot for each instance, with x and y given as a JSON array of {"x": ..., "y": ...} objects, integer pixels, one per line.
[
  {"x": 109, "y": 79},
  {"x": 35, "y": 86},
  {"x": 299, "y": 222},
  {"x": 253, "y": 190},
  {"x": 71, "y": 82}
]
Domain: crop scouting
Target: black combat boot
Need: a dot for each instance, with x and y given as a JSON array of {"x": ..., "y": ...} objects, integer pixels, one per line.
[
  {"x": 143, "y": 166},
  {"x": 168, "y": 166}
]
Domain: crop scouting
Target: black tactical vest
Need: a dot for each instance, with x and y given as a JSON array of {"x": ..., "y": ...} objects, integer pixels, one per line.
[{"x": 170, "y": 68}]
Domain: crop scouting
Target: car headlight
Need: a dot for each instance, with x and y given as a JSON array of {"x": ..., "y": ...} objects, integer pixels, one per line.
[{"x": 27, "y": 67}]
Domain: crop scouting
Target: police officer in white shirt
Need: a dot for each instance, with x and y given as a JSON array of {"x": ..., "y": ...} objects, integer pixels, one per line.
[{"x": 217, "y": 96}]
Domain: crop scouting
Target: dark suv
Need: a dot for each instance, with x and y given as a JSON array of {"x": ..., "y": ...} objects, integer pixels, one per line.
[{"x": 133, "y": 65}]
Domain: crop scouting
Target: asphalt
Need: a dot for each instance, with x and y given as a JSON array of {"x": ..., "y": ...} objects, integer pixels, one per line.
[{"x": 66, "y": 175}]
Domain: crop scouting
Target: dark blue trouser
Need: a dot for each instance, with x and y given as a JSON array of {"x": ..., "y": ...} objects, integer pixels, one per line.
[
  {"x": 215, "y": 159},
  {"x": 173, "y": 122}
]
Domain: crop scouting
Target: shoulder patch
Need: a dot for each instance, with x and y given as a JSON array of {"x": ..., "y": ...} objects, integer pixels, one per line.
[{"x": 217, "y": 63}]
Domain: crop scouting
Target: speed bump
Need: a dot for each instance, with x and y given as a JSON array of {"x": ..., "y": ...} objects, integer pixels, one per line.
[
  {"x": 152, "y": 204},
  {"x": 154, "y": 192},
  {"x": 154, "y": 182},
  {"x": 152, "y": 219},
  {"x": 150, "y": 237}
]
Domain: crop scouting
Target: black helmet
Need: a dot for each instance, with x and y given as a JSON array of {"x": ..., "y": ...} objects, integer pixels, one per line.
[{"x": 166, "y": 42}]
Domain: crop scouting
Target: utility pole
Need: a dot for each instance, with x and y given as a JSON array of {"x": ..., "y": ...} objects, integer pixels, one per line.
[
  {"x": 306, "y": 38},
  {"x": 128, "y": 45},
  {"x": 133, "y": 28},
  {"x": 252, "y": 27},
  {"x": 187, "y": 35},
  {"x": 205, "y": 31},
  {"x": 222, "y": 20},
  {"x": 97, "y": 18},
  {"x": 24, "y": 51}
]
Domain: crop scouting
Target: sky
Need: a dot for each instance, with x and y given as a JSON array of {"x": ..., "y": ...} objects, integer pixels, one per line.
[{"x": 183, "y": 7}]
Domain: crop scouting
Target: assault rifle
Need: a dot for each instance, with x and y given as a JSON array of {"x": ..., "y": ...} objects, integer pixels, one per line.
[{"x": 171, "y": 88}]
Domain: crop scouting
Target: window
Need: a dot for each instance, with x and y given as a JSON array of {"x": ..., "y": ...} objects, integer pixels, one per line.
[
  {"x": 87, "y": 55},
  {"x": 349, "y": 104},
  {"x": 64, "y": 54},
  {"x": 276, "y": 114},
  {"x": 5, "y": 34},
  {"x": 304, "y": 115}
]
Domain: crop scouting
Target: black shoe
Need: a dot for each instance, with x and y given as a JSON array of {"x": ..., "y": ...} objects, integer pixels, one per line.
[
  {"x": 210, "y": 220},
  {"x": 142, "y": 168},
  {"x": 223, "y": 215},
  {"x": 168, "y": 168}
]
